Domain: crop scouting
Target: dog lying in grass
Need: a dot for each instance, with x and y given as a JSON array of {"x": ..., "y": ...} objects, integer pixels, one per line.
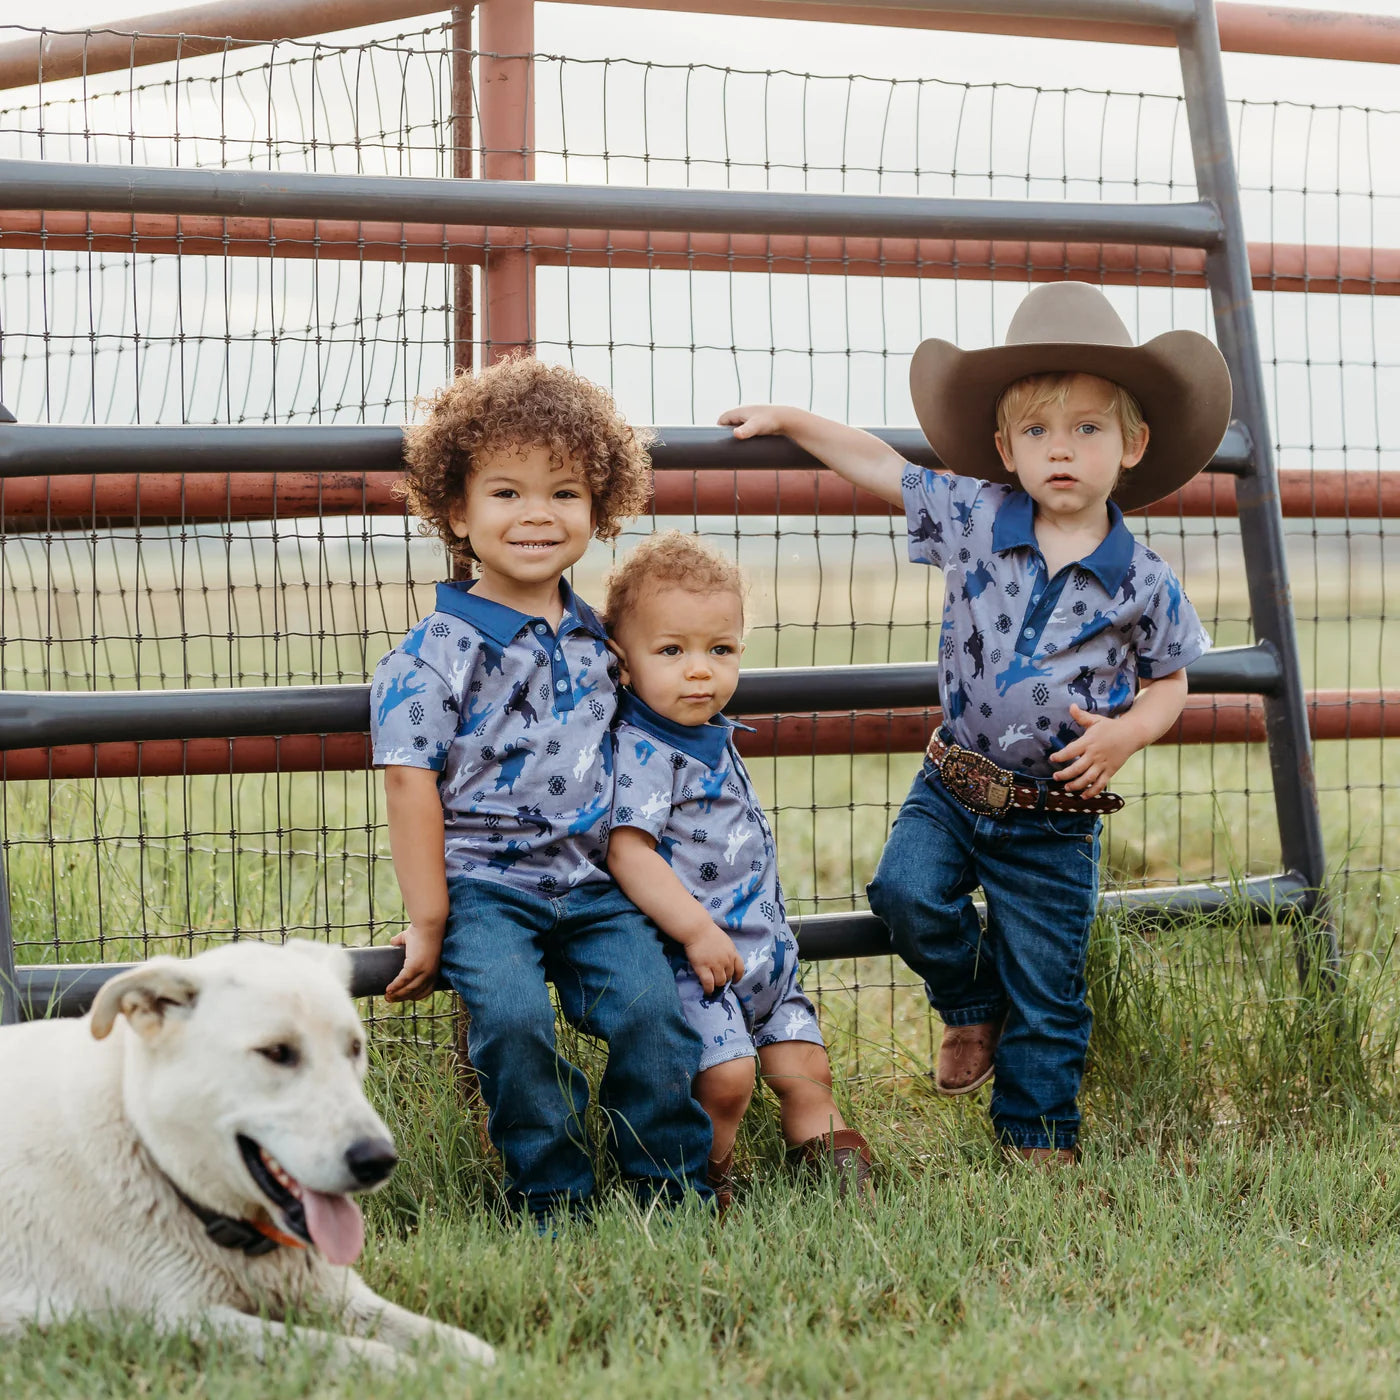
[{"x": 191, "y": 1151}]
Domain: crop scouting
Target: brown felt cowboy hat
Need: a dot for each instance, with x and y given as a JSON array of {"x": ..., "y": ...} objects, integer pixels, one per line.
[{"x": 1179, "y": 378}]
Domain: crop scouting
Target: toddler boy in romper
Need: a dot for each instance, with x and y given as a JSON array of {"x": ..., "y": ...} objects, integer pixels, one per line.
[
  {"x": 690, "y": 845},
  {"x": 1063, "y": 650},
  {"x": 492, "y": 722}
]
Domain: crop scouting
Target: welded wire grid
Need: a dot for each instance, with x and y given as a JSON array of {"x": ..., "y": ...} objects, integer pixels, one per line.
[{"x": 350, "y": 323}]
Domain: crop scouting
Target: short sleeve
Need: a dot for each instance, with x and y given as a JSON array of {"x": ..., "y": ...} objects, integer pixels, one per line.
[
  {"x": 644, "y": 782},
  {"x": 938, "y": 507},
  {"x": 412, "y": 713},
  {"x": 1170, "y": 634}
]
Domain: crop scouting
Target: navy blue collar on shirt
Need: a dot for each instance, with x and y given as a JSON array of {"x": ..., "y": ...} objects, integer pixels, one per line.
[
  {"x": 502, "y": 624},
  {"x": 704, "y": 742},
  {"x": 1014, "y": 528}
]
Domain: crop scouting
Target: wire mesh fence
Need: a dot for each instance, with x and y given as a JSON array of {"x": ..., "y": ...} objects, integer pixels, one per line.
[{"x": 113, "y": 319}]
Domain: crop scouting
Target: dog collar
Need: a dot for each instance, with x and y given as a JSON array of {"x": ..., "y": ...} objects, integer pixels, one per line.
[{"x": 253, "y": 1239}]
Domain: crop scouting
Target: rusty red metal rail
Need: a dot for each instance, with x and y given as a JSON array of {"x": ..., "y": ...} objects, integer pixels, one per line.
[
  {"x": 183, "y": 33},
  {"x": 69, "y": 502},
  {"x": 1207, "y": 719},
  {"x": 1244, "y": 28},
  {"x": 1275, "y": 267}
]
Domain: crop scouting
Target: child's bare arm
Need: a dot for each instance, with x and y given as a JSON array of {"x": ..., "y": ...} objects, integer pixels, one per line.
[
  {"x": 857, "y": 456},
  {"x": 1107, "y": 743},
  {"x": 650, "y": 883},
  {"x": 420, "y": 865}
]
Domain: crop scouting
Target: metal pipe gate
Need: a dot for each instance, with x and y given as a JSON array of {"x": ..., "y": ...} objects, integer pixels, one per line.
[{"x": 507, "y": 198}]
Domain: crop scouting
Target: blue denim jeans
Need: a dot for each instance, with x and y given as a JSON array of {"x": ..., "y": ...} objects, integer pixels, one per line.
[
  {"x": 606, "y": 962},
  {"x": 1039, "y": 873}
]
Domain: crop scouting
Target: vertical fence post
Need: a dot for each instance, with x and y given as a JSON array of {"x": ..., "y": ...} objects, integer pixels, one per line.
[
  {"x": 507, "y": 39},
  {"x": 1256, "y": 493}
]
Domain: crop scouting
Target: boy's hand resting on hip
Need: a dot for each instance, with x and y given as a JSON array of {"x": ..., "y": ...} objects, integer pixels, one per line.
[
  {"x": 422, "y": 953},
  {"x": 1093, "y": 758},
  {"x": 714, "y": 959}
]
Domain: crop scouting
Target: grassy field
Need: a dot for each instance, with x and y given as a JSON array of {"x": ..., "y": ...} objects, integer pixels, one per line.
[{"x": 1232, "y": 1230}]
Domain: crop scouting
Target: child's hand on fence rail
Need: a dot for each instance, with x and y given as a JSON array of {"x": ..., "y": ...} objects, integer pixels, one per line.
[
  {"x": 754, "y": 420},
  {"x": 422, "y": 953},
  {"x": 853, "y": 454}
]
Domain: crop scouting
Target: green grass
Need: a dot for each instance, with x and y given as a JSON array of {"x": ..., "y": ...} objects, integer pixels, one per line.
[
  {"x": 1232, "y": 1229},
  {"x": 1231, "y": 1232},
  {"x": 1240, "y": 1272}
]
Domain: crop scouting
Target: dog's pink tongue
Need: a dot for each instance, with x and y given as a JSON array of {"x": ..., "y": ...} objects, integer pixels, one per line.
[{"x": 337, "y": 1228}]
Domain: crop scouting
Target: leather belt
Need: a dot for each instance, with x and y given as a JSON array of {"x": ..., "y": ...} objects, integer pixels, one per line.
[{"x": 988, "y": 790}]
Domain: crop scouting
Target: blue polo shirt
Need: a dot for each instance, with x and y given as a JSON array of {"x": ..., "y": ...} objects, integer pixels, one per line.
[
  {"x": 515, "y": 718},
  {"x": 1018, "y": 647},
  {"x": 685, "y": 785}
]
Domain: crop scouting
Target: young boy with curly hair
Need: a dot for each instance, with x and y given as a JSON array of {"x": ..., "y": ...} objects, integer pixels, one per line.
[
  {"x": 1062, "y": 652},
  {"x": 492, "y": 721},
  {"x": 690, "y": 845}
]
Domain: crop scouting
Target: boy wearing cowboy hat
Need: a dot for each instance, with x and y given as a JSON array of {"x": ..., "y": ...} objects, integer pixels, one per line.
[{"x": 1063, "y": 651}]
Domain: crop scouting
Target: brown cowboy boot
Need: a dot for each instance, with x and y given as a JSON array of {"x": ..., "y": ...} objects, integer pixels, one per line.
[
  {"x": 721, "y": 1181},
  {"x": 965, "y": 1057},
  {"x": 846, "y": 1152}
]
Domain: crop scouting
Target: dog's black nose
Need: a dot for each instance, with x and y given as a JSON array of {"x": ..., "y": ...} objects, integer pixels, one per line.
[{"x": 371, "y": 1160}]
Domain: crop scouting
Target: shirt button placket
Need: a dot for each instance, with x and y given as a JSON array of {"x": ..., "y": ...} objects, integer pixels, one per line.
[{"x": 563, "y": 686}]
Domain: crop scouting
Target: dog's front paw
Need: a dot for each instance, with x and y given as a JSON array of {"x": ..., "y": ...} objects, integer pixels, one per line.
[
  {"x": 346, "y": 1351},
  {"x": 465, "y": 1344}
]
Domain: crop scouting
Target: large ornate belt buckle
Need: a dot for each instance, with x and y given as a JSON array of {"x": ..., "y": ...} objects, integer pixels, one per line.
[{"x": 976, "y": 782}]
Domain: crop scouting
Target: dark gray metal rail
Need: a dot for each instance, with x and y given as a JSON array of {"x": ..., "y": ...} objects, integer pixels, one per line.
[
  {"x": 143, "y": 189},
  {"x": 62, "y": 450},
  {"x": 48, "y": 718},
  {"x": 68, "y": 989}
]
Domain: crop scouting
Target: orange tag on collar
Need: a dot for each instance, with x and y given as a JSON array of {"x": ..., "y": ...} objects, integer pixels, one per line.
[{"x": 277, "y": 1236}]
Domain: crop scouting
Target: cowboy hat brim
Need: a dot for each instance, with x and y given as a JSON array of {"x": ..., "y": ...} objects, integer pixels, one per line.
[{"x": 1180, "y": 379}]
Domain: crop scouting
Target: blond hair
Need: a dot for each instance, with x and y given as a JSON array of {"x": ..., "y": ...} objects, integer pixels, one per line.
[
  {"x": 520, "y": 402},
  {"x": 1036, "y": 391},
  {"x": 669, "y": 560}
]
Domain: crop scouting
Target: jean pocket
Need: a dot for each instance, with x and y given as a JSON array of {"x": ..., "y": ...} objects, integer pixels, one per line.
[{"x": 1073, "y": 826}]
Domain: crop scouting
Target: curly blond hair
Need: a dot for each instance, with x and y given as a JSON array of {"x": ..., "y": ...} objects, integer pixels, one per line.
[
  {"x": 520, "y": 402},
  {"x": 669, "y": 560}
]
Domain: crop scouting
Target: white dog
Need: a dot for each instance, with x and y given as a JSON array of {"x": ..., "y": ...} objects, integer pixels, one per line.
[{"x": 189, "y": 1151}]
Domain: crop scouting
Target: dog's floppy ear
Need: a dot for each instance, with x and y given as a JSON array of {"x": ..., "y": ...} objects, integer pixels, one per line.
[
  {"x": 331, "y": 956},
  {"x": 145, "y": 995}
]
